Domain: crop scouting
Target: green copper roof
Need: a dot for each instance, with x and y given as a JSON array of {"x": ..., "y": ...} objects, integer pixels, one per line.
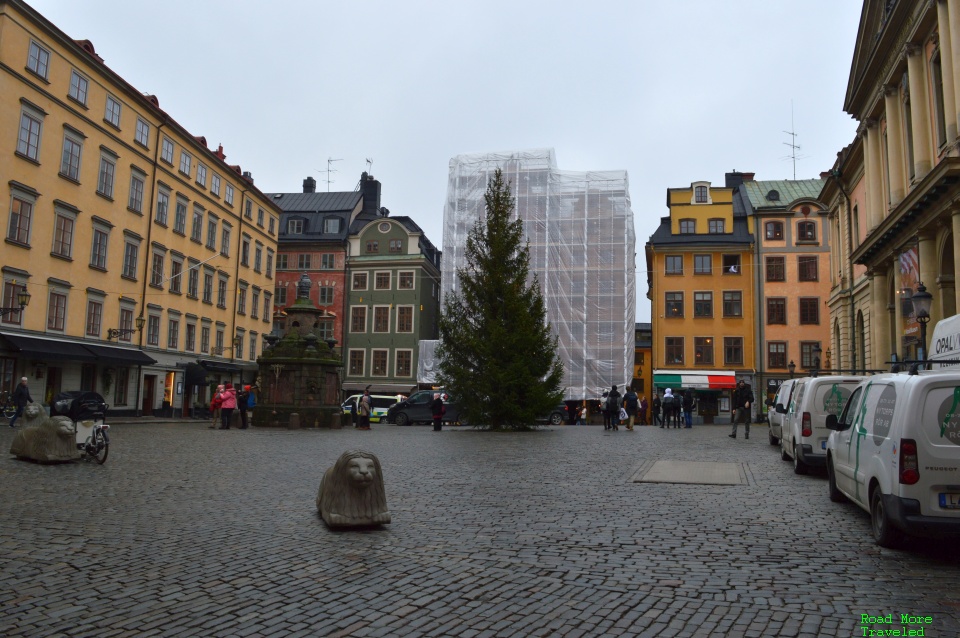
[{"x": 789, "y": 190}]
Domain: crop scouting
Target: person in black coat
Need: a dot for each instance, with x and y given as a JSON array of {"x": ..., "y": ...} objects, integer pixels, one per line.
[
  {"x": 21, "y": 397},
  {"x": 437, "y": 410},
  {"x": 742, "y": 401}
]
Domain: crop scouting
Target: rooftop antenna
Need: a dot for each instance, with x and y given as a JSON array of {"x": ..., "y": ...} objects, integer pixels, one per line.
[
  {"x": 369, "y": 164},
  {"x": 794, "y": 147},
  {"x": 329, "y": 170}
]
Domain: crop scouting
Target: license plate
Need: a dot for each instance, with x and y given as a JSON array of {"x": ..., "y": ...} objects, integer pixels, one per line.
[{"x": 949, "y": 500}]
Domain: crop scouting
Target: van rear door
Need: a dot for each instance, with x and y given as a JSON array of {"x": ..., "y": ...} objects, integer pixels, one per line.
[
  {"x": 937, "y": 437},
  {"x": 829, "y": 398}
]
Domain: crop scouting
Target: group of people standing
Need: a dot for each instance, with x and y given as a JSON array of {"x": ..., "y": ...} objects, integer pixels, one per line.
[
  {"x": 673, "y": 410},
  {"x": 226, "y": 399}
]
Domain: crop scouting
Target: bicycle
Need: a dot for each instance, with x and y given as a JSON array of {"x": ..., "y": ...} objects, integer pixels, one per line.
[
  {"x": 7, "y": 405},
  {"x": 86, "y": 410}
]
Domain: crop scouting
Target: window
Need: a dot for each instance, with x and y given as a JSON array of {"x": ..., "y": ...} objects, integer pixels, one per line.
[
  {"x": 242, "y": 302},
  {"x": 731, "y": 265},
  {"x": 156, "y": 272},
  {"x": 176, "y": 275},
  {"x": 163, "y": 206},
  {"x": 807, "y": 231},
  {"x": 212, "y": 233},
  {"x": 202, "y": 175},
  {"x": 674, "y": 350},
  {"x": 225, "y": 240},
  {"x": 404, "y": 363},
  {"x": 57, "y": 312},
  {"x": 688, "y": 226},
  {"x": 325, "y": 329},
  {"x": 331, "y": 225},
  {"x": 356, "y": 362},
  {"x": 248, "y": 210},
  {"x": 703, "y": 304},
  {"x": 28, "y": 141},
  {"x": 130, "y": 254},
  {"x": 123, "y": 381},
  {"x": 732, "y": 303},
  {"x": 63, "y": 235},
  {"x": 111, "y": 114},
  {"x": 126, "y": 323},
  {"x": 136, "y": 192},
  {"x": 405, "y": 280},
  {"x": 703, "y": 350},
  {"x": 303, "y": 262},
  {"x": 70, "y": 160},
  {"x": 358, "y": 319},
  {"x": 674, "y": 304},
  {"x": 378, "y": 363},
  {"x": 142, "y": 134},
  {"x": 190, "y": 335},
  {"x": 78, "y": 87},
  {"x": 327, "y": 261},
  {"x": 166, "y": 150},
  {"x": 253, "y": 346},
  {"x": 185, "y": 161},
  {"x": 222, "y": 293},
  {"x": 38, "y": 60},
  {"x": 702, "y": 264},
  {"x": 193, "y": 281},
  {"x": 807, "y": 268},
  {"x": 282, "y": 261},
  {"x": 11, "y": 289},
  {"x": 700, "y": 194},
  {"x": 325, "y": 295},
  {"x": 281, "y": 293},
  {"x": 173, "y": 334},
  {"x": 94, "y": 318},
  {"x": 228, "y": 194},
  {"x": 153, "y": 330},
  {"x": 396, "y": 246},
  {"x": 808, "y": 358},
  {"x": 215, "y": 184},
  {"x": 267, "y": 308},
  {"x": 260, "y": 214},
  {"x": 295, "y": 227},
  {"x": 674, "y": 264},
  {"x": 108, "y": 169},
  {"x": 716, "y": 226},
  {"x": 205, "y": 339},
  {"x": 269, "y": 263},
  {"x": 776, "y": 354},
  {"x": 776, "y": 269},
  {"x": 373, "y": 246},
  {"x": 381, "y": 281},
  {"x": 21, "y": 215},
  {"x": 197, "y": 228},
  {"x": 180, "y": 218},
  {"x": 207, "y": 287},
  {"x": 218, "y": 341},
  {"x": 359, "y": 281},
  {"x": 272, "y": 222},
  {"x": 98, "y": 250},
  {"x": 733, "y": 350},
  {"x": 255, "y": 304},
  {"x": 774, "y": 230},
  {"x": 245, "y": 250},
  {"x": 776, "y": 310},
  {"x": 809, "y": 310},
  {"x": 405, "y": 319},
  {"x": 381, "y": 319}
]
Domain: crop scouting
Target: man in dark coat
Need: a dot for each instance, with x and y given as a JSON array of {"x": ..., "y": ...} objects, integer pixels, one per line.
[
  {"x": 742, "y": 400},
  {"x": 21, "y": 397}
]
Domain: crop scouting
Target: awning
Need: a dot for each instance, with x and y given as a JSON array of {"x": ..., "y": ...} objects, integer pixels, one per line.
[
  {"x": 219, "y": 366},
  {"x": 119, "y": 356},
  {"x": 381, "y": 388},
  {"x": 49, "y": 349},
  {"x": 695, "y": 379},
  {"x": 194, "y": 374}
]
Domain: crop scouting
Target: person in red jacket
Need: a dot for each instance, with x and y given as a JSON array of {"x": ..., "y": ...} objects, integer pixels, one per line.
[{"x": 229, "y": 396}]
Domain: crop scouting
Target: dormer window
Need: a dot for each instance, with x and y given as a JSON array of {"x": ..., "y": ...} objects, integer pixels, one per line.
[
  {"x": 701, "y": 194},
  {"x": 331, "y": 225},
  {"x": 295, "y": 227}
]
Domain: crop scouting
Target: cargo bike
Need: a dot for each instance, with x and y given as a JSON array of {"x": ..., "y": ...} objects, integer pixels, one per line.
[{"x": 86, "y": 410}]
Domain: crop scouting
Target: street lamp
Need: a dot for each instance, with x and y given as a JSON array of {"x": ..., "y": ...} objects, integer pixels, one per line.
[
  {"x": 792, "y": 368},
  {"x": 23, "y": 298},
  {"x": 817, "y": 351},
  {"x": 922, "y": 300},
  {"x": 116, "y": 333}
]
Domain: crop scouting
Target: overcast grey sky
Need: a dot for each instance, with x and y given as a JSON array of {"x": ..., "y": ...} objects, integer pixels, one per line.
[{"x": 672, "y": 92}]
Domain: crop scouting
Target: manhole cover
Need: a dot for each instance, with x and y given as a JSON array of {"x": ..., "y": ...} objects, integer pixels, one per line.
[{"x": 692, "y": 472}]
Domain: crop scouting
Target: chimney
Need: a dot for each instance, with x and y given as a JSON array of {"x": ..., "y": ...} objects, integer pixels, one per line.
[
  {"x": 309, "y": 185},
  {"x": 735, "y": 178},
  {"x": 370, "y": 189},
  {"x": 247, "y": 175}
]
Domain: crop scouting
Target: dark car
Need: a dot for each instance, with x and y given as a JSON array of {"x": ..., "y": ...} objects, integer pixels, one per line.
[
  {"x": 416, "y": 409},
  {"x": 558, "y": 415}
]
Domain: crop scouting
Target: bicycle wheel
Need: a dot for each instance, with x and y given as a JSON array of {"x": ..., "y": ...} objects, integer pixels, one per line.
[
  {"x": 9, "y": 410},
  {"x": 99, "y": 447}
]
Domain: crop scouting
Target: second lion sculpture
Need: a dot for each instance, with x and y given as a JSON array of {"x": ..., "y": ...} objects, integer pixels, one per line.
[{"x": 351, "y": 493}]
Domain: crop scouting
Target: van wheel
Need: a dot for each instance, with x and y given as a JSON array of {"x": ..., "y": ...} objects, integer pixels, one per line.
[
  {"x": 799, "y": 467},
  {"x": 773, "y": 440},
  {"x": 884, "y": 533},
  {"x": 783, "y": 451},
  {"x": 402, "y": 419},
  {"x": 835, "y": 494}
]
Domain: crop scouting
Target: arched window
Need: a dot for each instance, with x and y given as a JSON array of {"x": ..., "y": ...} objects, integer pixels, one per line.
[
  {"x": 774, "y": 230},
  {"x": 807, "y": 231}
]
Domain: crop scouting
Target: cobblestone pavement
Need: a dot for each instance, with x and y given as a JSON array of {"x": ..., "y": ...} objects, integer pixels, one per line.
[{"x": 187, "y": 531}]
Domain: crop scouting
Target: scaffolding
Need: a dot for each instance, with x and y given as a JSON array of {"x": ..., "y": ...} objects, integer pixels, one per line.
[{"x": 579, "y": 226}]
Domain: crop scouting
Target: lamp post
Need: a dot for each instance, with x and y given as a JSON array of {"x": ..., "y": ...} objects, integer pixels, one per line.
[
  {"x": 116, "y": 333},
  {"x": 817, "y": 351},
  {"x": 922, "y": 300},
  {"x": 23, "y": 299},
  {"x": 792, "y": 368}
]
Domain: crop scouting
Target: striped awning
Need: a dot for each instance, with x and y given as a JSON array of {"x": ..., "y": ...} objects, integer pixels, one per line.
[{"x": 696, "y": 379}]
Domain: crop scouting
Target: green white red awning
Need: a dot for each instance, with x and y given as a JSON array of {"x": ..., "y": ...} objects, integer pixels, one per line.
[{"x": 695, "y": 379}]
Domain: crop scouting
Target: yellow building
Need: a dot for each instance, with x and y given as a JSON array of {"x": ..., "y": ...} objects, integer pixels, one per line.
[
  {"x": 700, "y": 265},
  {"x": 148, "y": 259}
]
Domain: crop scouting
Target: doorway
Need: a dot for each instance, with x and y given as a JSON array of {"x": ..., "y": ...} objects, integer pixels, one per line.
[
  {"x": 54, "y": 382},
  {"x": 149, "y": 390}
]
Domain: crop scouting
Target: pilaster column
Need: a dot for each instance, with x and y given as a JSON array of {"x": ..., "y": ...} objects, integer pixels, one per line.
[
  {"x": 879, "y": 319},
  {"x": 873, "y": 167},
  {"x": 919, "y": 111},
  {"x": 897, "y": 301},
  {"x": 955, "y": 220},
  {"x": 953, "y": 15},
  {"x": 947, "y": 69},
  {"x": 927, "y": 247},
  {"x": 895, "y": 154}
]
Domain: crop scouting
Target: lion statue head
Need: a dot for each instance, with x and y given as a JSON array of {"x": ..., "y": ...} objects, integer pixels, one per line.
[
  {"x": 33, "y": 414},
  {"x": 351, "y": 493}
]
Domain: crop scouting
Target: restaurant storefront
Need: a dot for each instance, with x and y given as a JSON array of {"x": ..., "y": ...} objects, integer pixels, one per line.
[{"x": 712, "y": 390}]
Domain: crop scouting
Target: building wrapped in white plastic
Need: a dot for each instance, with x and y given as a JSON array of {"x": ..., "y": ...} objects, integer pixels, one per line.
[{"x": 582, "y": 247}]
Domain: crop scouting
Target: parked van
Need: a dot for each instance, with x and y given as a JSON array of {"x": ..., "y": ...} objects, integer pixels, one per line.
[
  {"x": 945, "y": 344},
  {"x": 775, "y": 418},
  {"x": 803, "y": 437},
  {"x": 379, "y": 405},
  {"x": 895, "y": 452}
]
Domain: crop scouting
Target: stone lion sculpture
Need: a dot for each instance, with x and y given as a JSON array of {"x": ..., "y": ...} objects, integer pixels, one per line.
[
  {"x": 351, "y": 493},
  {"x": 45, "y": 439}
]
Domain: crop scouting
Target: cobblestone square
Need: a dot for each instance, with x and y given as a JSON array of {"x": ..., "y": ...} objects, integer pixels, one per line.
[{"x": 187, "y": 531}]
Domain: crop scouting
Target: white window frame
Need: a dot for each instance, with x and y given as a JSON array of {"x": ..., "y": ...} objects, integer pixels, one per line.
[
  {"x": 112, "y": 111},
  {"x": 228, "y": 194},
  {"x": 142, "y": 134},
  {"x": 396, "y": 363},
  {"x": 413, "y": 279},
  {"x": 135, "y": 202},
  {"x": 30, "y": 132},
  {"x": 202, "y": 174},
  {"x": 166, "y": 150},
  {"x": 71, "y": 155},
  {"x": 38, "y": 60},
  {"x": 61, "y": 291},
  {"x": 185, "y": 162},
  {"x": 373, "y": 324},
  {"x": 107, "y": 175},
  {"x": 386, "y": 363},
  {"x": 59, "y": 213}
]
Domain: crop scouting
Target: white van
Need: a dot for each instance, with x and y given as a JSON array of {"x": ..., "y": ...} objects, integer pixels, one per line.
[
  {"x": 895, "y": 452},
  {"x": 774, "y": 417},
  {"x": 945, "y": 344},
  {"x": 804, "y": 434},
  {"x": 379, "y": 405}
]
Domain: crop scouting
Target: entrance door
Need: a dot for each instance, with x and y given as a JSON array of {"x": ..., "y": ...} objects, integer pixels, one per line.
[
  {"x": 149, "y": 390},
  {"x": 54, "y": 382}
]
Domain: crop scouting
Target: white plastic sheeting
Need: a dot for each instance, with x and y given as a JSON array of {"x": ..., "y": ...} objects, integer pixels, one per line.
[
  {"x": 582, "y": 248},
  {"x": 427, "y": 362}
]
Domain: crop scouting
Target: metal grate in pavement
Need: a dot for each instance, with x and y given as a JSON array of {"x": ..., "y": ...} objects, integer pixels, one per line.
[{"x": 692, "y": 473}]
